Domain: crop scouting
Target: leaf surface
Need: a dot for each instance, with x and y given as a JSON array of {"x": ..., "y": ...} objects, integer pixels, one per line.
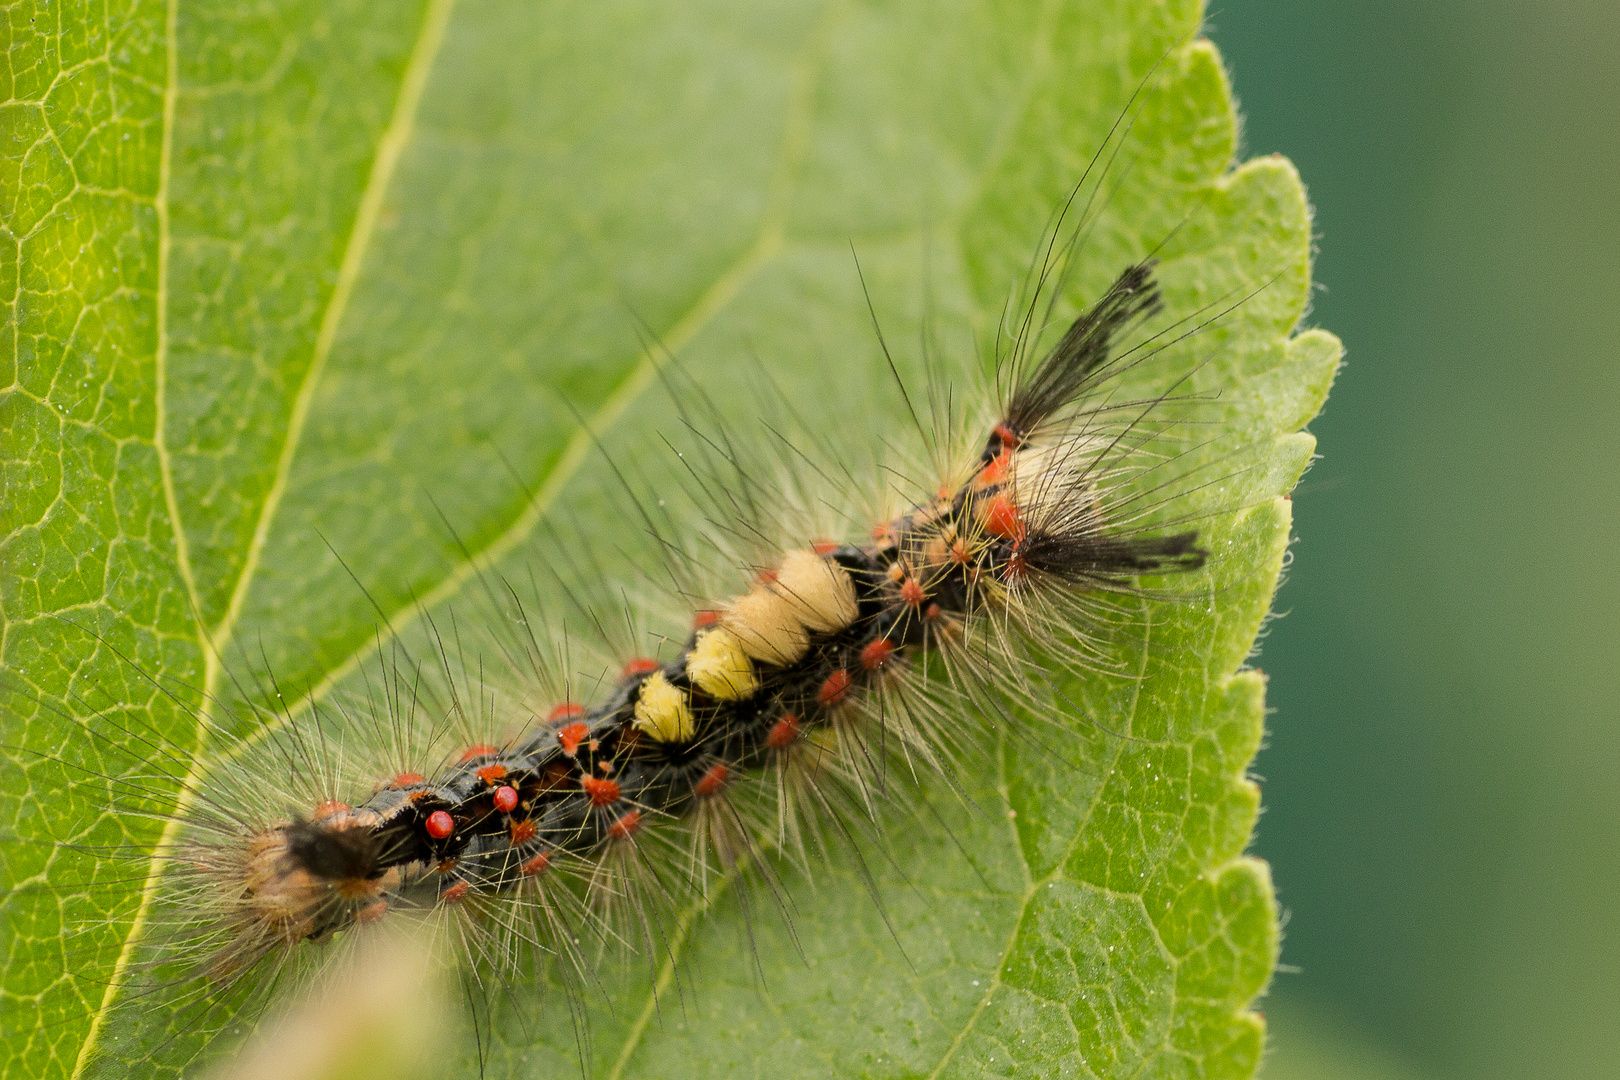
[{"x": 295, "y": 285}]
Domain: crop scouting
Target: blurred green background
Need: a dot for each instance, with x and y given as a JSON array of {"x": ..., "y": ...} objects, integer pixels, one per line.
[{"x": 1443, "y": 775}]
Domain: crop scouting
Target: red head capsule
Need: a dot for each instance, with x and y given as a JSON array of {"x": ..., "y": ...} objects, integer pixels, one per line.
[
  {"x": 506, "y": 799},
  {"x": 440, "y": 825}
]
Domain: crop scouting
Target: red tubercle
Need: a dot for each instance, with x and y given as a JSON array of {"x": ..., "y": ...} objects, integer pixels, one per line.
[
  {"x": 834, "y": 689},
  {"x": 1015, "y": 568},
  {"x": 1009, "y": 438},
  {"x": 506, "y": 798},
  {"x": 884, "y": 534},
  {"x": 456, "y": 893},
  {"x": 638, "y": 665},
  {"x": 535, "y": 865},
  {"x": 491, "y": 773},
  {"x": 766, "y": 576},
  {"x": 784, "y": 733},
  {"x": 1001, "y": 518},
  {"x": 521, "y": 832},
  {"x": 912, "y": 592},
  {"x": 327, "y": 807},
  {"x": 712, "y": 782},
  {"x": 626, "y": 826},
  {"x": 932, "y": 612},
  {"x": 705, "y": 617},
  {"x": 824, "y": 547},
  {"x": 477, "y": 750},
  {"x": 406, "y": 779},
  {"x": 600, "y": 792},
  {"x": 444, "y": 866},
  {"x": 440, "y": 825},
  {"x": 371, "y": 912},
  {"x": 565, "y": 711},
  {"x": 570, "y": 736},
  {"x": 876, "y": 653}
]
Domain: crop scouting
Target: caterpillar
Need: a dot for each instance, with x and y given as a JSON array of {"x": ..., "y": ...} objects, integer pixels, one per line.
[{"x": 812, "y": 669}]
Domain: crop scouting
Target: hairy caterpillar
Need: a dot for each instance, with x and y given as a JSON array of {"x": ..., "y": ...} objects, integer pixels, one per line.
[{"x": 306, "y": 767}]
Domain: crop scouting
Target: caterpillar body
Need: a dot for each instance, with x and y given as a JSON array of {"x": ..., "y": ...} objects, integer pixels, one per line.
[{"x": 815, "y": 677}]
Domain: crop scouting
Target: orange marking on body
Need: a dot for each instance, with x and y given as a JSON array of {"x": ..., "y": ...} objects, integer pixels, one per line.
[
  {"x": 491, "y": 773},
  {"x": 706, "y": 617},
  {"x": 535, "y": 866},
  {"x": 1001, "y": 518},
  {"x": 600, "y": 792},
  {"x": 606, "y": 765},
  {"x": 712, "y": 782},
  {"x": 912, "y": 592},
  {"x": 477, "y": 750},
  {"x": 1009, "y": 438},
  {"x": 626, "y": 826},
  {"x": 456, "y": 893},
  {"x": 371, "y": 912},
  {"x": 932, "y": 613},
  {"x": 784, "y": 733},
  {"x": 327, "y": 808},
  {"x": 883, "y": 534},
  {"x": 406, "y": 779},
  {"x": 824, "y": 547},
  {"x": 876, "y": 654},
  {"x": 570, "y": 736},
  {"x": 638, "y": 665},
  {"x": 995, "y": 470},
  {"x": 835, "y": 689},
  {"x": 445, "y": 866},
  {"x": 522, "y": 832},
  {"x": 566, "y": 710}
]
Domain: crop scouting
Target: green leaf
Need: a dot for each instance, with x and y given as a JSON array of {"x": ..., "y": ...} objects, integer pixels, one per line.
[{"x": 289, "y": 282}]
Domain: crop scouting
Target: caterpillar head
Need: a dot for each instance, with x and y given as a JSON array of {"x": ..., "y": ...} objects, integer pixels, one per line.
[{"x": 299, "y": 880}]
